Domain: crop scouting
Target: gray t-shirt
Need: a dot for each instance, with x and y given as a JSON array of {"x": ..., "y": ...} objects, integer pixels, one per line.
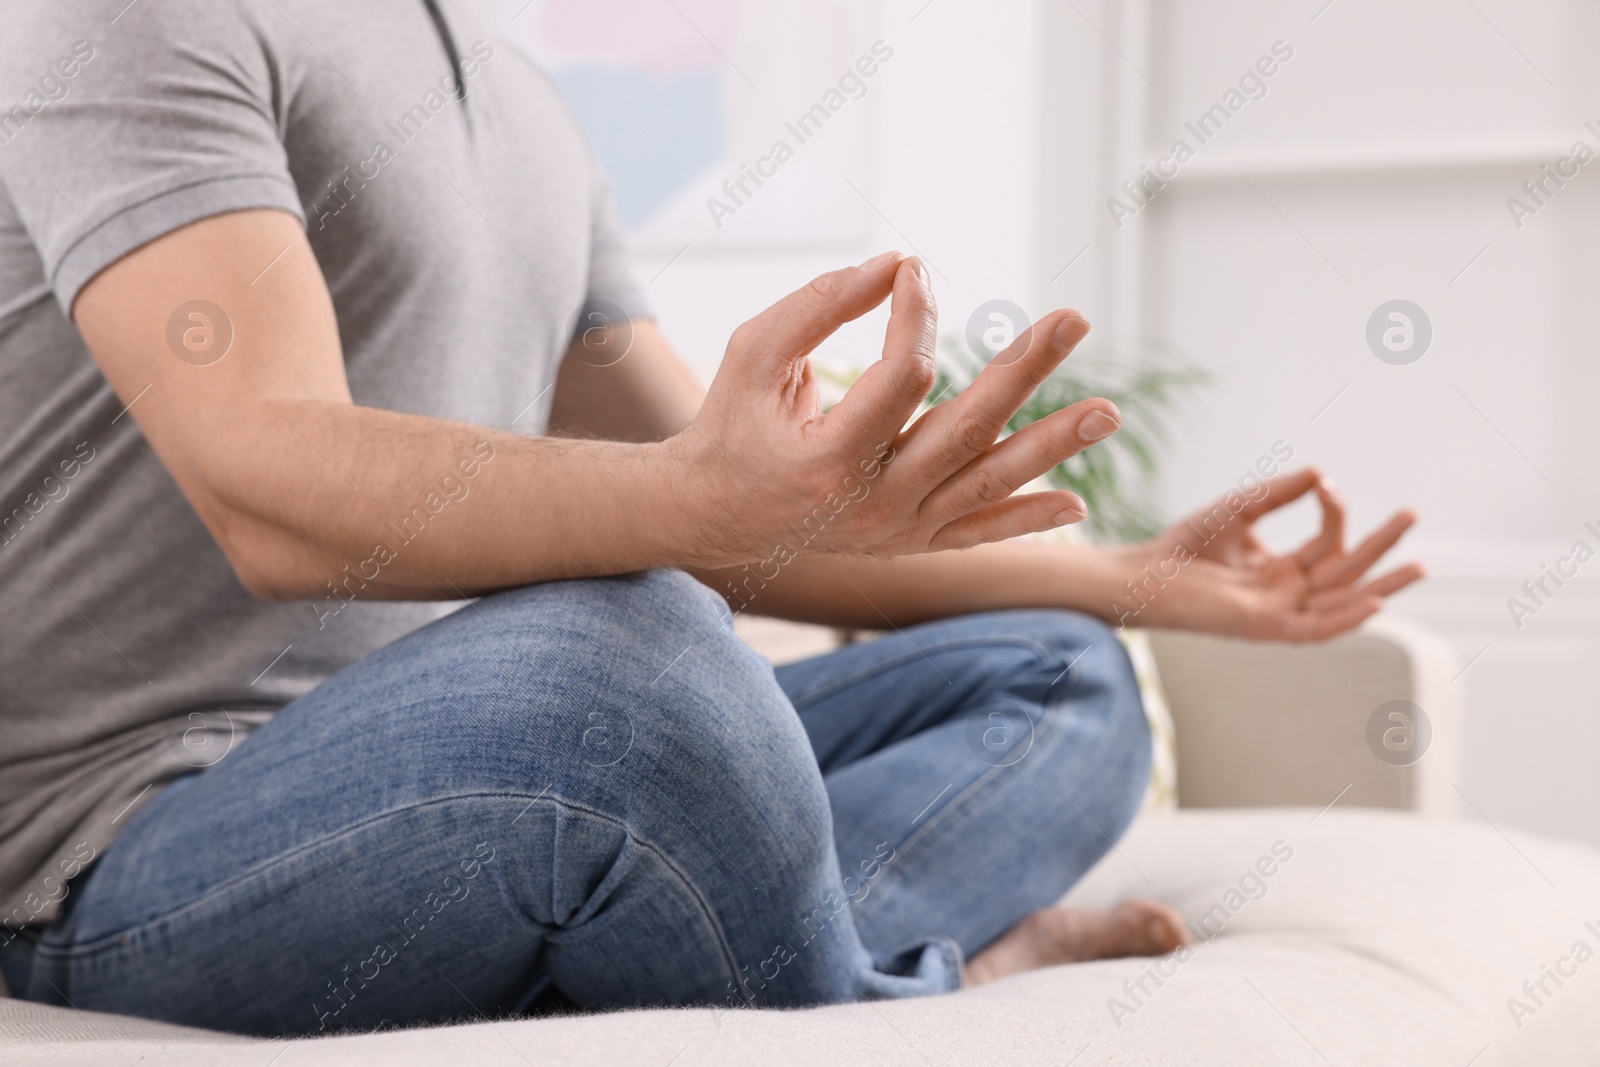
[{"x": 461, "y": 239}]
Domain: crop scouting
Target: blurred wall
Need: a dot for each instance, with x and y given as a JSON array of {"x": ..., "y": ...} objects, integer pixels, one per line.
[{"x": 1377, "y": 165}]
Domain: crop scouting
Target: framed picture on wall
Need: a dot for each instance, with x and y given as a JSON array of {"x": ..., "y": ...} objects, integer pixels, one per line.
[{"x": 722, "y": 122}]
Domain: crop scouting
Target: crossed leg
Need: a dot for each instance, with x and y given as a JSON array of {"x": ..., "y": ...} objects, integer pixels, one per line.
[{"x": 593, "y": 785}]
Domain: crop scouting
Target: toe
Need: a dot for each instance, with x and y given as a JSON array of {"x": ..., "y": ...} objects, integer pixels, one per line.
[{"x": 1161, "y": 928}]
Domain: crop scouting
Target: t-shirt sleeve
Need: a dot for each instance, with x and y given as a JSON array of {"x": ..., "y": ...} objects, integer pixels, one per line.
[
  {"x": 128, "y": 130},
  {"x": 612, "y": 284}
]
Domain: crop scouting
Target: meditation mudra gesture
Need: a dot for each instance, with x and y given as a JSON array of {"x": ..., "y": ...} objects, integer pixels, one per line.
[{"x": 377, "y": 656}]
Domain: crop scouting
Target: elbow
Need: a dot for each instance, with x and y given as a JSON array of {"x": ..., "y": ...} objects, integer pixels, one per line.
[
  {"x": 269, "y": 584},
  {"x": 270, "y": 564},
  {"x": 268, "y": 579}
]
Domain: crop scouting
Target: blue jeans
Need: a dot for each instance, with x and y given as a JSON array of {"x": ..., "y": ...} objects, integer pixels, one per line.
[{"x": 594, "y": 789}]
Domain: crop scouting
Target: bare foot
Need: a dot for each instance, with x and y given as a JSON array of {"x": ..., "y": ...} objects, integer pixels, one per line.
[{"x": 1076, "y": 935}]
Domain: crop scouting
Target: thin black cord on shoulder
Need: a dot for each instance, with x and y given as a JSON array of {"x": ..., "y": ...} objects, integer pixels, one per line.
[{"x": 449, "y": 41}]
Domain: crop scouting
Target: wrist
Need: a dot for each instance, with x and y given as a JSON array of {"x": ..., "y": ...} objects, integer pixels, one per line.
[
  {"x": 1132, "y": 584},
  {"x": 691, "y": 511}
]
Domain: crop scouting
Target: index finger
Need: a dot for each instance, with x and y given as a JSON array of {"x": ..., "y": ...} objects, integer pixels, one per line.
[
  {"x": 1331, "y": 539},
  {"x": 876, "y": 407}
]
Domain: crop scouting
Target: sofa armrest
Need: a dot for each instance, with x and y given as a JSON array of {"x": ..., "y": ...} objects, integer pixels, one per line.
[{"x": 1277, "y": 724}]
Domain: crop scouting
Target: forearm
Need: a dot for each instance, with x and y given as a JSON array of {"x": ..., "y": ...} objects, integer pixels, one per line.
[
  {"x": 862, "y": 592},
  {"x": 400, "y": 506}
]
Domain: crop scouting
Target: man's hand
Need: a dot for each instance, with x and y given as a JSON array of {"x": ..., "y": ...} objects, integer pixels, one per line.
[
  {"x": 769, "y": 459},
  {"x": 1212, "y": 573}
]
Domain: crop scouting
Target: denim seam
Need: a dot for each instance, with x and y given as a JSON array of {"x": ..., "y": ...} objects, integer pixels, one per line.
[
  {"x": 112, "y": 940},
  {"x": 839, "y": 684},
  {"x": 269, "y": 864},
  {"x": 666, "y": 861}
]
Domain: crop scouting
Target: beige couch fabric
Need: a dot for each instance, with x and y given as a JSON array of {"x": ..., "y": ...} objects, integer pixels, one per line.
[
  {"x": 1263, "y": 723},
  {"x": 1375, "y": 939}
]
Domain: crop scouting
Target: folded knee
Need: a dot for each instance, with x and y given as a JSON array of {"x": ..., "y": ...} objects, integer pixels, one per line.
[
  {"x": 603, "y": 614},
  {"x": 656, "y": 644}
]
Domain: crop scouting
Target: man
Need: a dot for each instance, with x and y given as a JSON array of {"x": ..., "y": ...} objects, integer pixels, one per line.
[{"x": 288, "y": 292}]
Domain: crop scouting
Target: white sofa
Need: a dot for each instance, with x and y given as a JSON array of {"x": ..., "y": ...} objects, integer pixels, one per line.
[{"x": 1335, "y": 934}]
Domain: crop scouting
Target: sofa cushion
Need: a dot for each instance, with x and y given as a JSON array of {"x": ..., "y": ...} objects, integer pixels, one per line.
[{"x": 1339, "y": 937}]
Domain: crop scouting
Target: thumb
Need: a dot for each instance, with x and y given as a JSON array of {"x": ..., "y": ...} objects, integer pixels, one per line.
[{"x": 791, "y": 329}]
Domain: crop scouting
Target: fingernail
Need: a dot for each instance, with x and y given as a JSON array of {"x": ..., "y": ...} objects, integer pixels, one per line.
[
  {"x": 878, "y": 260},
  {"x": 1097, "y": 425},
  {"x": 1070, "y": 514},
  {"x": 1068, "y": 332},
  {"x": 919, "y": 270}
]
